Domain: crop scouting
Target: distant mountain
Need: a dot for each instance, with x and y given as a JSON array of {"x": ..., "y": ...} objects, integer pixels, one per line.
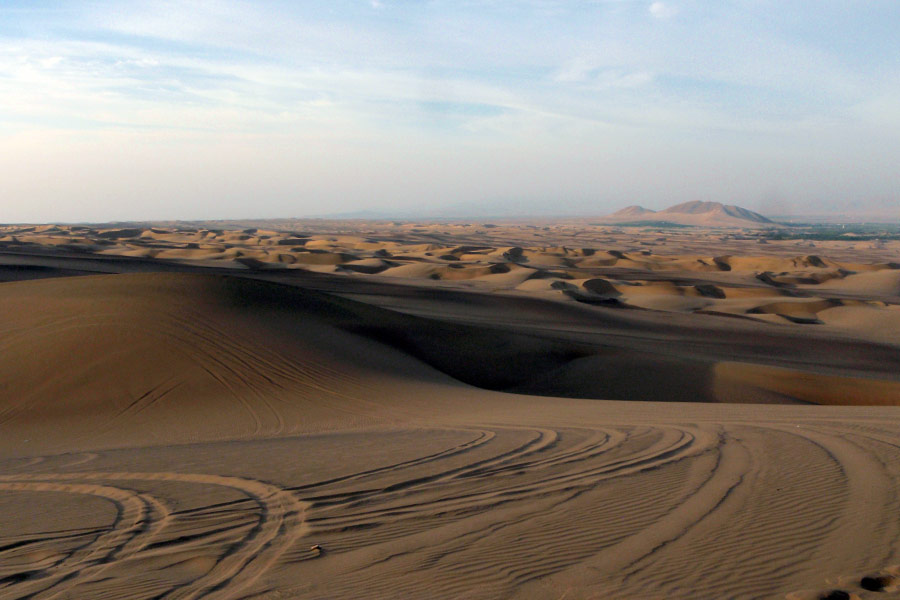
[
  {"x": 717, "y": 209},
  {"x": 632, "y": 212},
  {"x": 701, "y": 214}
]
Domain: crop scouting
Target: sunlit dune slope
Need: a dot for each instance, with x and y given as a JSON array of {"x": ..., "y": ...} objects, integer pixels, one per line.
[{"x": 175, "y": 357}]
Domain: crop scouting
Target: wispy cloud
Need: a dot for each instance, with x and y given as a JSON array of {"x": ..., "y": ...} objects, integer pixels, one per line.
[
  {"x": 533, "y": 80},
  {"x": 662, "y": 10}
]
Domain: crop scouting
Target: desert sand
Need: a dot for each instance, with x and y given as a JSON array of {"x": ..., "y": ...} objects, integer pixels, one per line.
[{"x": 532, "y": 410}]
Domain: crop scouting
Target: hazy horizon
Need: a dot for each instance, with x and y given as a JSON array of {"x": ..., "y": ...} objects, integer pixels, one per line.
[{"x": 230, "y": 110}]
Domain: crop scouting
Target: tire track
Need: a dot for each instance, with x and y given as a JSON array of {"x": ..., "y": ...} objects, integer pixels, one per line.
[
  {"x": 280, "y": 524},
  {"x": 674, "y": 445},
  {"x": 134, "y": 527},
  {"x": 480, "y": 522}
]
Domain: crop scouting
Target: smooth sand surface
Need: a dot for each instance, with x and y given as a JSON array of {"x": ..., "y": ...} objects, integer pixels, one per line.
[{"x": 540, "y": 421}]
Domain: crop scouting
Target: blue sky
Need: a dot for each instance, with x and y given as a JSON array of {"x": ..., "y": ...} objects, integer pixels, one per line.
[{"x": 224, "y": 109}]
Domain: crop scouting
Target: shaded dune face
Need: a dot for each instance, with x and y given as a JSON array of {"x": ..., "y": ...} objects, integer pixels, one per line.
[
  {"x": 180, "y": 356},
  {"x": 185, "y": 356}
]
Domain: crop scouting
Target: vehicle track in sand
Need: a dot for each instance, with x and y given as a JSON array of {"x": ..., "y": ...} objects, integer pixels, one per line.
[
  {"x": 737, "y": 510},
  {"x": 141, "y": 518},
  {"x": 658, "y": 510}
]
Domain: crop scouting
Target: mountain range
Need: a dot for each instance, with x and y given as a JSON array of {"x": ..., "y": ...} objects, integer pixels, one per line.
[{"x": 697, "y": 213}]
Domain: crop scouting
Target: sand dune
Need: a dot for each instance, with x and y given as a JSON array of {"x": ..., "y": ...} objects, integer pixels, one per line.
[
  {"x": 155, "y": 352},
  {"x": 737, "y": 280},
  {"x": 537, "y": 422}
]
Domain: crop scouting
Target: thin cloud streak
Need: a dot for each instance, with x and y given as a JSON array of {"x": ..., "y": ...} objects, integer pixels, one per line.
[{"x": 646, "y": 99}]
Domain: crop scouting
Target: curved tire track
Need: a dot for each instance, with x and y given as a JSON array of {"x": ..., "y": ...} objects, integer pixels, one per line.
[{"x": 280, "y": 523}]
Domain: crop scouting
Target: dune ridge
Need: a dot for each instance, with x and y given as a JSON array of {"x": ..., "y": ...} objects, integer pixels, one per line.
[{"x": 838, "y": 285}]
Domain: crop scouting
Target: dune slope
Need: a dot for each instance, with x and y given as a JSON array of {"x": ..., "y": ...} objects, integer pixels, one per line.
[
  {"x": 207, "y": 436},
  {"x": 127, "y": 359}
]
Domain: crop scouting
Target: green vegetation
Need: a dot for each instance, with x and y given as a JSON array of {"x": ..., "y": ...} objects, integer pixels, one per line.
[
  {"x": 657, "y": 224},
  {"x": 852, "y": 232}
]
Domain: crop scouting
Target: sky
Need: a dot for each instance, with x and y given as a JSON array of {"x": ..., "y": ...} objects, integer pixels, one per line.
[{"x": 117, "y": 110}]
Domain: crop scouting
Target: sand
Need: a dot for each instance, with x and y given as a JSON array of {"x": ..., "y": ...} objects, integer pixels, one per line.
[{"x": 187, "y": 414}]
